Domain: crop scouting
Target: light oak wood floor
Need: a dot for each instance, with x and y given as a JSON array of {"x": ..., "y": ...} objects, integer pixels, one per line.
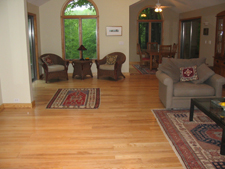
[{"x": 121, "y": 134}]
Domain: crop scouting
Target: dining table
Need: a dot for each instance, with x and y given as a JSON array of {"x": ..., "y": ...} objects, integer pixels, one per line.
[{"x": 158, "y": 53}]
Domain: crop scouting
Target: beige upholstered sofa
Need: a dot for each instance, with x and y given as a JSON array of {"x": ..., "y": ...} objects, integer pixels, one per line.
[{"x": 175, "y": 93}]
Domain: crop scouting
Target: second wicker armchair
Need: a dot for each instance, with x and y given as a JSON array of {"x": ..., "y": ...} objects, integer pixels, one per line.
[{"x": 110, "y": 65}]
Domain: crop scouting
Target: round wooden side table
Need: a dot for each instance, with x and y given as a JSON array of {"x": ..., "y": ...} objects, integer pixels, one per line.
[{"x": 82, "y": 68}]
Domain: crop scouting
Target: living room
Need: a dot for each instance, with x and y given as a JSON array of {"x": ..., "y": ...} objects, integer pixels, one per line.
[{"x": 122, "y": 133}]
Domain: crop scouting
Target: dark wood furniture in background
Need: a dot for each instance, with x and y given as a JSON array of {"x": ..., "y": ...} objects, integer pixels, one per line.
[
  {"x": 174, "y": 50},
  {"x": 165, "y": 48},
  {"x": 50, "y": 71},
  {"x": 158, "y": 54},
  {"x": 82, "y": 68},
  {"x": 116, "y": 72},
  {"x": 219, "y": 57},
  {"x": 143, "y": 60}
]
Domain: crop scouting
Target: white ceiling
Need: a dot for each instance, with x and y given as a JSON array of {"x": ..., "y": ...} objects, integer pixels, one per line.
[
  {"x": 37, "y": 2},
  {"x": 177, "y": 5}
]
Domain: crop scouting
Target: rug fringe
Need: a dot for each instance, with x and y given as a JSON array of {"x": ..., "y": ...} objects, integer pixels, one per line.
[{"x": 174, "y": 149}]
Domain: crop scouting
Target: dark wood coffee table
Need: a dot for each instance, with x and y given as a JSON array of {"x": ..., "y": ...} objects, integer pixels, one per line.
[{"x": 213, "y": 111}]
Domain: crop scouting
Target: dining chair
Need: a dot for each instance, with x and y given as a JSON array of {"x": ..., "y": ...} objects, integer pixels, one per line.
[
  {"x": 152, "y": 45},
  {"x": 174, "y": 50},
  {"x": 143, "y": 60},
  {"x": 165, "y": 50},
  {"x": 155, "y": 58}
]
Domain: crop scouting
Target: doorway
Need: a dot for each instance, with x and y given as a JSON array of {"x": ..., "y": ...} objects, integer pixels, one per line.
[
  {"x": 33, "y": 46},
  {"x": 190, "y": 38}
]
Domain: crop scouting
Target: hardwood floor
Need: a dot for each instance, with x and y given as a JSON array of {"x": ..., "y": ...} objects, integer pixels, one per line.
[{"x": 121, "y": 134}]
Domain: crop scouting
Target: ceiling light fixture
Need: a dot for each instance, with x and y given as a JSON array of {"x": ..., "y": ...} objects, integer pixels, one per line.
[{"x": 158, "y": 7}]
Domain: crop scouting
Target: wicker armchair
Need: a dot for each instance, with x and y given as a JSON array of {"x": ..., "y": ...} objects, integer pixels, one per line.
[
  {"x": 54, "y": 67},
  {"x": 114, "y": 71}
]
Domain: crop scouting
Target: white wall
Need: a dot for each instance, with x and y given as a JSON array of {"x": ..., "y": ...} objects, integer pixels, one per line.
[
  {"x": 112, "y": 13},
  {"x": 170, "y": 28},
  {"x": 207, "y": 15},
  {"x": 14, "y": 65},
  {"x": 0, "y": 94}
]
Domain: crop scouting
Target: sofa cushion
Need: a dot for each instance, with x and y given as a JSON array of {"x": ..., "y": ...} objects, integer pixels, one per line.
[
  {"x": 188, "y": 73},
  {"x": 169, "y": 68},
  {"x": 55, "y": 68},
  {"x": 106, "y": 67},
  {"x": 204, "y": 72},
  {"x": 188, "y": 62},
  {"x": 189, "y": 89}
]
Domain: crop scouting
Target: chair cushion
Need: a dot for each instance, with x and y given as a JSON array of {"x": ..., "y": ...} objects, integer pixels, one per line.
[
  {"x": 55, "y": 68},
  {"x": 106, "y": 67},
  {"x": 204, "y": 72},
  {"x": 188, "y": 73},
  {"x": 189, "y": 89},
  {"x": 145, "y": 58},
  {"x": 48, "y": 61},
  {"x": 111, "y": 59}
]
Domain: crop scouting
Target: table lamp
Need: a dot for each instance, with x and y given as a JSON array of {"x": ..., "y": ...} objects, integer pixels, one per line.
[{"x": 81, "y": 48}]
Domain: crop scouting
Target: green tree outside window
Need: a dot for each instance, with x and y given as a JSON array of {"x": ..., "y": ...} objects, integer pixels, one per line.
[
  {"x": 150, "y": 27},
  {"x": 88, "y": 26}
]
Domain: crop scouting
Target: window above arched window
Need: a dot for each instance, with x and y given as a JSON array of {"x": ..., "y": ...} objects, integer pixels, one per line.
[
  {"x": 80, "y": 7},
  {"x": 80, "y": 21},
  {"x": 149, "y": 14}
]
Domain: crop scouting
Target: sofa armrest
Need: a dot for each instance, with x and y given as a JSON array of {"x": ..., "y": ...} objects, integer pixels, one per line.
[
  {"x": 165, "y": 89},
  {"x": 164, "y": 78},
  {"x": 216, "y": 81}
]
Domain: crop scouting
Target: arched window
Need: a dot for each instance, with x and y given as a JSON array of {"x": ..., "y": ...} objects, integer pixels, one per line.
[
  {"x": 149, "y": 27},
  {"x": 80, "y": 27}
]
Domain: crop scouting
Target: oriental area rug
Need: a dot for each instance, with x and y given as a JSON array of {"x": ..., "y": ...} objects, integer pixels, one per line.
[
  {"x": 75, "y": 98},
  {"x": 196, "y": 143},
  {"x": 144, "y": 70}
]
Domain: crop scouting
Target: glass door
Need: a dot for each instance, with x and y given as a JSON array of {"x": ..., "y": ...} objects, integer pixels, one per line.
[
  {"x": 190, "y": 38},
  {"x": 32, "y": 47}
]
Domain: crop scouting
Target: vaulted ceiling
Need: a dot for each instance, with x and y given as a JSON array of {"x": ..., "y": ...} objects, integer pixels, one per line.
[
  {"x": 37, "y": 2},
  {"x": 177, "y": 5}
]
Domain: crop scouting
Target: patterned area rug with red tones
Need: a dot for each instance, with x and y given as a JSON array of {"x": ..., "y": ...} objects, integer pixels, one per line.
[
  {"x": 144, "y": 70},
  {"x": 86, "y": 98},
  {"x": 196, "y": 143}
]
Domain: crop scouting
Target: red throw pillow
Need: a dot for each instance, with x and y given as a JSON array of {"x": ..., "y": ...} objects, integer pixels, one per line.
[
  {"x": 188, "y": 73},
  {"x": 48, "y": 60}
]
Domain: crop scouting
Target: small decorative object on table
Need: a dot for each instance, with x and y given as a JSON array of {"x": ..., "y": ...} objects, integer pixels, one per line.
[
  {"x": 221, "y": 105},
  {"x": 81, "y": 48},
  {"x": 216, "y": 102}
]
